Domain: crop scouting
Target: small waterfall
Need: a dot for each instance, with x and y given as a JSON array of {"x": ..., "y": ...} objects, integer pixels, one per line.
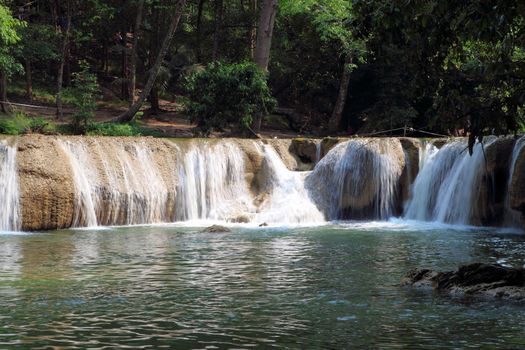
[
  {"x": 9, "y": 189},
  {"x": 358, "y": 179},
  {"x": 289, "y": 201},
  {"x": 427, "y": 150},
  {"x": 212, "y": 183},
  {"x": 318, "y": 149},
  {"x": 118, "y": 183},
  {"x": 513, "y": 217},
  {"x": 446, "y": 186}
]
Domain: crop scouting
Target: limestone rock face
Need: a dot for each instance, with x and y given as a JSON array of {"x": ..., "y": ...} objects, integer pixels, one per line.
[
  {"x": 474, "y": 280},
  {"x": 328, "y": 143},
  {"x": 489, "y": 205},
  {"x": 306, "y": 151},
  {"x": 411, "y": 149},
  {"x": 46, "y": 184}
]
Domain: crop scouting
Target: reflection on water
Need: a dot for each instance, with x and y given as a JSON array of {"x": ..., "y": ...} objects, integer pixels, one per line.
[{"x": 327, "y": 287}]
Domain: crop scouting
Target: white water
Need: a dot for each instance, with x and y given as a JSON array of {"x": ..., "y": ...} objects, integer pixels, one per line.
[
  {"x": 116, "y": 184},
  {"x": 211, "y": 183},
  {"x": 137, "y": 182},
  {"x": 9, "y": 189},
  {"x": 446, "y": 186},
  {"x": 512, "y": 217},
  {"x": 358, "y": 179},
  {"x": 289, "y": 201}
]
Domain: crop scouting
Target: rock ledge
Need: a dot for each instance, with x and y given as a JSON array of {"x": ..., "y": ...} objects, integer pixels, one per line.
[{"x": 477, "y": 280}]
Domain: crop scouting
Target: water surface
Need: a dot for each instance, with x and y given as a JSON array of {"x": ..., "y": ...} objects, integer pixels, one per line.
[{"x": 326, "y": 287}]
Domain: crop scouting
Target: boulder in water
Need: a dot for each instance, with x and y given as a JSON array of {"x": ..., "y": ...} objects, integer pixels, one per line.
[
  {"x": 475, "y": 280},
  {"x": 216, "y": 229},
  {"x": 240, "y": 219}
]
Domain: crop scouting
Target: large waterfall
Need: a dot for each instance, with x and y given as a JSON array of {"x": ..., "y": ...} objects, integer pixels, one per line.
[
  {"x": 9, "y": 191},
  {"x": 55, "y": 182},
  {"x": 446, "y": 186}
]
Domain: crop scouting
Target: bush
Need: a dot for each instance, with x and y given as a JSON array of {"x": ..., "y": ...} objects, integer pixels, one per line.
[
  {"x": 224, "y": 94},
  {"x": 20, "y": 123},
  {"x": 113, "y": 129},
  {"x": 83, "y": 95}
]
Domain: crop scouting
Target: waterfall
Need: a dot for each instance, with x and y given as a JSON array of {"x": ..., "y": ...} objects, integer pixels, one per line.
[
  {"x": 513, "y": 217},
  {"x": 118, "y": 183},
  {"x": 446, "y": 186},
  {"x": 9, "y": 189},
  {"x": 212, "y": 182},
  {"x": 358, "y": 179},
  {"x": 318, "y": 149},
  {"x": 289, "y": 201}
]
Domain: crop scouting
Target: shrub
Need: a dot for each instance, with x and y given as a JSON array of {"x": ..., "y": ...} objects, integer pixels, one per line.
[
  {"x": 113, "y": 129},
  {"x": 20, "y": 123},
  {"x": 83, "y": 95},
  {"x": 225, "y": 94}
]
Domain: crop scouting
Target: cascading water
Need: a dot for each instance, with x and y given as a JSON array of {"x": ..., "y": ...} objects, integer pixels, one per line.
[
  {"x": 9, "y": 189},
  {"x": 358, "y": 179},
  {"x": 445, "y": 188},
  {"x": 289, "y": 201},
  {"x": 118, "y": 183},
  {"x": 513, "y": 217},
  {"x": 212, "y": 183}
]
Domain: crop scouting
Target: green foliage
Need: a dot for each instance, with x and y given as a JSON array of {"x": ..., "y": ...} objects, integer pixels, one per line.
[
  {"x": 8, "y": 37},
  {"x": 83, "y": 95},
  {"x": 113, "y": 129},
  {"x": 20, "y": 123},
  {"x": 225, "y": 94}
]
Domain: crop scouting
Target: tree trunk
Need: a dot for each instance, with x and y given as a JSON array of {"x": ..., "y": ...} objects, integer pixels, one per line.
[
  {"x": 265, "y": 33},
  {"x": 337, "y": 113},
  {"x": 154, "y": 100},
  {"x": 134, "y": 54},
  {"x": 124, "y": 87},
  {"x": 60, "y": 77},
  {"x": 29, "y": 80},
  {"x": 263, "y": 45},
  {"x": 4, "y": 106},
  {"x": 219, "y": 8},
  {"x": 199, "y": 30},
  {"x": 253, "y": 28},
  {"x": 129, "y": 115}
]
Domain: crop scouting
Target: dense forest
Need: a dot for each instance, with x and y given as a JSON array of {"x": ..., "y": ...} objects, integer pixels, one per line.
[{"x": 329, "y": 66}]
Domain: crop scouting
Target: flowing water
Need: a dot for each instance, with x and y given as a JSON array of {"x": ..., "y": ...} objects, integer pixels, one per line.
[
  {"x": 289, "y": 201},
  {"x": 9, "y": 189},
  {"x": 329, "y": 287},
  {"x": 445, "y": 188}
]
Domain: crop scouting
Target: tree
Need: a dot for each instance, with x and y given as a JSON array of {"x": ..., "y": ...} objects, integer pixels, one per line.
[
  {"x": 8, "y": 65},
  {"x": 129, "y": 115},
  {"x": 134, "y": 54},
  {"x": 66, "y": 29},
  {"x": 263, "y": 45},
  {"x": 265, "y": 33}
]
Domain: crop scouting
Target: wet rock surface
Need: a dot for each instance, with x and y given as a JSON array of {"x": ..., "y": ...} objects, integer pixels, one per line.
[
  {"x": 216, "y": 229},
  {"x": 474, "y": 280}
]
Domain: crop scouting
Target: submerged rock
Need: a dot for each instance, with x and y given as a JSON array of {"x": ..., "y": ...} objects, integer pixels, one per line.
[
  {"x": 477, "y": 280},
  {"x": 216, "y": 229}
]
